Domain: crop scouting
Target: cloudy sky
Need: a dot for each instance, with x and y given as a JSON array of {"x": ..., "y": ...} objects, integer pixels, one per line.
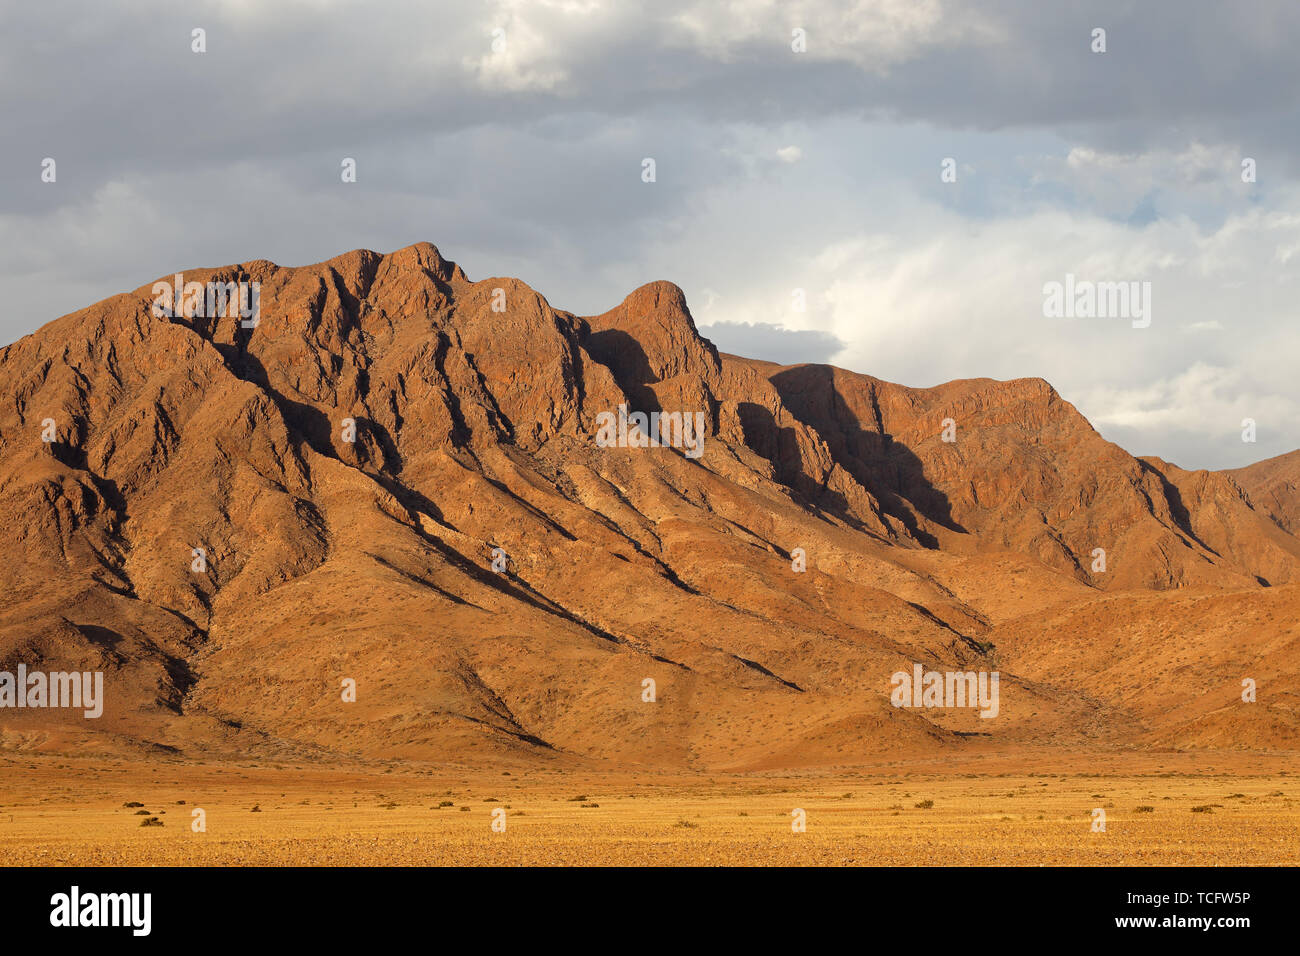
[{"x": 798, "y": 197}]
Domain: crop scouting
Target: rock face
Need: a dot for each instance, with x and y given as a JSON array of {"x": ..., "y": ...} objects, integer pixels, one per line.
[
  {"x": 394, "y": 479},
  {"x": 1274, "y": 486}
]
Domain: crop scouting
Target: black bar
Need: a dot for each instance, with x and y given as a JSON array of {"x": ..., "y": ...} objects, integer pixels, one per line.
[{"x": 657, "y": 907}]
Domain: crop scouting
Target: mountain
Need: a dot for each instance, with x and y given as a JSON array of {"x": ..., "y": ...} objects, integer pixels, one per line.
[
  {"x": 1275, "y": 486},
  {"x": 427, "y": 485}
]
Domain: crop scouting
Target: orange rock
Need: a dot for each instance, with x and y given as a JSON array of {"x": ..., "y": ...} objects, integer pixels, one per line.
[{"x": 393, "y": 479}]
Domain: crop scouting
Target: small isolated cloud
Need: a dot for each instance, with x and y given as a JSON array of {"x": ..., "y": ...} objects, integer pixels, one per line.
[
  {"x": 789, "y": 154},
  {"x": 774, "y": 343}
]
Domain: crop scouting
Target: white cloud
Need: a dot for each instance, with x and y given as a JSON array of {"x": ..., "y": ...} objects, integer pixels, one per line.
[
  {"x": 931, "y": 296},
  {"x": 519, "y": 56},
  {"x": 1195, "y": 178},
  {"x": 874, "y": 35}
]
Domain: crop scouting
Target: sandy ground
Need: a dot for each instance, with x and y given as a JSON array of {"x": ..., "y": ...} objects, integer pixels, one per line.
[{"x": 60, "y": 811}]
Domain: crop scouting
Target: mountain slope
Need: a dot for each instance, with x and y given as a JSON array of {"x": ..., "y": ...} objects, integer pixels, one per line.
[{"x": 395, "y": 478}]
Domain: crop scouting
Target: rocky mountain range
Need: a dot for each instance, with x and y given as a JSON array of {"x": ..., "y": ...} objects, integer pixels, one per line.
[{"x": 395, "y": 477}]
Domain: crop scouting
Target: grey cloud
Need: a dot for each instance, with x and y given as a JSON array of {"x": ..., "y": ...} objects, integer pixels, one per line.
[
  {"x": 772, "y": 342},
  {"x": 169, "y": 160}
]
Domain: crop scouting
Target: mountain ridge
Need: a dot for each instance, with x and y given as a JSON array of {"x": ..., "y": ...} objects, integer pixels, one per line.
[{"x": 474, "y": 405}]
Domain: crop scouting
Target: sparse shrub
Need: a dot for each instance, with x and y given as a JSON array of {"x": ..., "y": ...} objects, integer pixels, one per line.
[
  {"x": 1203, "y": 809},
  {"x": 151, "y": 822},
  {"x": 686, "y": 824},
  {"x": 925, "y": 805},
  {"x": 131, "y": 803},
  {"x": 1144, "y": 809}
]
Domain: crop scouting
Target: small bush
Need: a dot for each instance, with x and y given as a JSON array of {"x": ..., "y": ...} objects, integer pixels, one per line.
[
  {"x": 925, "y": 805},
  {"x": 151, "y": 822},
  {"x": 1144, "y": 809}
]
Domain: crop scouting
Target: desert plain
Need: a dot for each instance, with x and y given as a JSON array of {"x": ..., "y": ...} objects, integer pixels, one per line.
[{"x": 1165, "y": 809}]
